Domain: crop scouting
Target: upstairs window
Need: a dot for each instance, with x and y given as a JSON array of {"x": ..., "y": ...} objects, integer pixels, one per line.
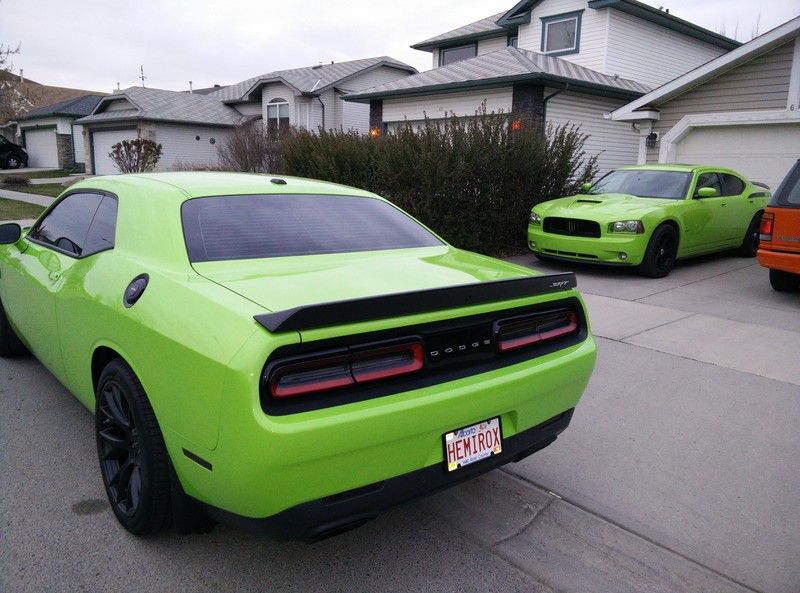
[
  {"x": 561, "y": 34},
  {"x": 277, "y": 116},
  {"x": 450, "y": 55}
]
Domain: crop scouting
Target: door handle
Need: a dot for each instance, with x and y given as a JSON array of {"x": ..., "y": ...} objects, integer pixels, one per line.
[{"x": 724, "y": 204}]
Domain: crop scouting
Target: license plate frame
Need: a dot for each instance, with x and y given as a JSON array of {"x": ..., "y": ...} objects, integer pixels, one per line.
[{"x": 468, "y": 437}]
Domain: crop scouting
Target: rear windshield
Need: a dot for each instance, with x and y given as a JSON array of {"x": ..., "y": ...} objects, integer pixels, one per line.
[
  {"x": 788, "y": 193},
  {"x": 248, "y": 227},
  {"x": 672, "y": 185}
]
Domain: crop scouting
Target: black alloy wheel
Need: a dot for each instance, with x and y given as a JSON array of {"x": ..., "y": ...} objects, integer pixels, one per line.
[
  {"x": 134, "y": 462},
  {"x": 662, "y": 250}
]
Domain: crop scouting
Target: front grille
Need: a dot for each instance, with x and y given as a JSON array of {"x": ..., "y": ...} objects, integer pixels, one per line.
[{"x": 574, "y": 227}]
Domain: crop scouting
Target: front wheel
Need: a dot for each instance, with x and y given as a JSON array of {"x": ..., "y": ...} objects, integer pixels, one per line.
[
  {"x": 749, "y": 245},
  {"x": 133, "y": 458},
  {"x": 783, "y": 281},
  {"x": 661, "y": 252}
]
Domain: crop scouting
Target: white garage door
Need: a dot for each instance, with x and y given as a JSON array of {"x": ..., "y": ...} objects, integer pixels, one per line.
[
  {"x": 101, "y": 146},
  {"x": 42, "y": 148},
  {"x": 185, "y": 145},
  {"x": 761, "y": 152}
]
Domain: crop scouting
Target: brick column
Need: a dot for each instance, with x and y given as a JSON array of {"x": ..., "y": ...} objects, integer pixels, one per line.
[
  {"x": 64, "y": 148},
  {"x": 376, "y": 116},
  {"x": 527, "y": 106}
]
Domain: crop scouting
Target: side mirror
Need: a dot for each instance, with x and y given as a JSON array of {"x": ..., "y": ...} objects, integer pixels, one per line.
[
  {"x": 10, "y": 233},
  {"x": 586, "y": 187},
  {"x": 707, "y": 192}
]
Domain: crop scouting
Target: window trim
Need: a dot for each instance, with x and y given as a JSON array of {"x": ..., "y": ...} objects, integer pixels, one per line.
[
  {"x": 558, "y": 18},
  {"x": 52, "y": 206},
  {"x": 443, "y": 49},
  {"x": 278, "y": 102}
]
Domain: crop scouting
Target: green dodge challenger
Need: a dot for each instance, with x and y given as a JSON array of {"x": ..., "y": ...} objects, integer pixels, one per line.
[
  {"x": 284, "y": 354},
  {"x": 649, "y": 216}
]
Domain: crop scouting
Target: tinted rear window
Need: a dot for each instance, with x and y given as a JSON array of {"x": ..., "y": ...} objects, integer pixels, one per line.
[
  {"x": 788, "y": 193},
  {"x": 248, "y": 227}
]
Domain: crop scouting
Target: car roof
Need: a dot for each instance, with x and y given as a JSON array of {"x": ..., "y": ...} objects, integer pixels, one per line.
[
  {"x": 192, "y": 184},
  {"x": 682, "y": 167}
]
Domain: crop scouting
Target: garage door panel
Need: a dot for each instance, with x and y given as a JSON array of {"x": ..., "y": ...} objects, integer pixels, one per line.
[
  {"x": 760, "y": 152},
  {"x": 101, "y": 146},
  {"x": 42, "y": 148}
]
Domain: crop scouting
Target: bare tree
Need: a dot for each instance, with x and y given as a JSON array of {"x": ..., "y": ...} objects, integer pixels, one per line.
[
  {"x": 250, "y": 148},
  {"x": 9, "y": 97},
  {"x": 754, "y": 32}
]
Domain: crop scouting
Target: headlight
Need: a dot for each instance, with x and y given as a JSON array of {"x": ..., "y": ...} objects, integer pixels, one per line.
[
  {"x": 626, "y": 226},
  {"x": 535, "y": 218}
]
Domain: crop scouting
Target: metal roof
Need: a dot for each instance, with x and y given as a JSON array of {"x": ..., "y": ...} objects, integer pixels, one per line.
[
  {"x": 76, "y": 107},
  {"x": 162, "y": 105},
  {"x": 310, "y": 79},
  {"x": 504, "y": 66},
  {"x": 487, "y": 27}
]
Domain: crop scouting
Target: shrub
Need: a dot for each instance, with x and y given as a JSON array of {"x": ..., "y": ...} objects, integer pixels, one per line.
[
  {"x": 14, "y": 180},
  {"x": 471, "y": 180},
  {"x": 250, "y": 149},
  {"x": 135, "y": 156}
]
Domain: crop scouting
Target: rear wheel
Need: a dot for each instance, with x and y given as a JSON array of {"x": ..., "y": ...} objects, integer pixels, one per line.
[
  {"x": 10, "y": 344},
  {"x": 749, "y": 245},
  {"x": 661, "y": 253},
  {"x": 783, "y": 281},
  {"x": 133, "y": 458}
]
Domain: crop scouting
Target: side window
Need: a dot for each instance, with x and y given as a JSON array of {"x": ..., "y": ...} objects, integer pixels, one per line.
[
  {"x": 65, "y": 227},
  {"x": 103, "y": 229},
  {"x": 731, "y": 185},
  {"x": 708, "y": 180}
]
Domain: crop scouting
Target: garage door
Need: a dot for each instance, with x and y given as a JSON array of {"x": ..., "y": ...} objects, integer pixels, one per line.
[
  {"x": 184, "y": 145},
  {"x": 761, "y": 152},
  {"x": 42, "y": 148},
  {"x": 101, "y": 146}
]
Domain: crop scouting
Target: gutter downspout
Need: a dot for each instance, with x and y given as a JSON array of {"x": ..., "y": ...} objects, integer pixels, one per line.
[
  {"x": 323, "y": 110},
  {"x": 547, "y": 98}
]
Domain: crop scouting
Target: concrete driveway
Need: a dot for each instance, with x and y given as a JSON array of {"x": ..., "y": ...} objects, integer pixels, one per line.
[{"x": 679, "y": 473}]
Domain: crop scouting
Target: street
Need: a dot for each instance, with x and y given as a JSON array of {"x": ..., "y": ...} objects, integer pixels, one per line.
[{"x": 678, "y": 473}]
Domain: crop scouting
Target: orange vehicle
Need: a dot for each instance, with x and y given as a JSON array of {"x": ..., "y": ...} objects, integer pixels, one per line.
[{"x": 779, "y": 249}]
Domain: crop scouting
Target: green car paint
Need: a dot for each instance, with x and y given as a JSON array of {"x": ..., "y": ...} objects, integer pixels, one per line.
[
  {"x": 192, "y": 341},
  {"x": 705, "y": 221}
]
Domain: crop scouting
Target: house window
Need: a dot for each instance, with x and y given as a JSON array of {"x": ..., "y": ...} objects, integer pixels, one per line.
[
  {"x": 561, "y": 34},
  {"x": 277, "y": 115},
  {"x": 450, "y": 55},
  {"x": 512, "y": 41}
]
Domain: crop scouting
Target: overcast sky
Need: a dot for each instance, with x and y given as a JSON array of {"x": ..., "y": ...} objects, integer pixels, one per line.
[{"x": 93, "y": 44}]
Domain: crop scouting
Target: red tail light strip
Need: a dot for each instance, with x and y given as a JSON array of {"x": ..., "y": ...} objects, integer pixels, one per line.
[
  {"x": 514, "y": 334},
  {"x": 767, "y": 225}
]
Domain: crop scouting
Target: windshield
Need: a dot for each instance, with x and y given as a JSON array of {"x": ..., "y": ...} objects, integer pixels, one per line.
[
  {"x": 248, "y": 227},
  {"x": 671, "y": 185}
]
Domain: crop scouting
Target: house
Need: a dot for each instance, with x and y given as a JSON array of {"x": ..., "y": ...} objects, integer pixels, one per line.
[
  {"x": 551, "y": 61},
  {"x": 191, "y": 126},
  {"x": 23, "y": 95},
  {"x": 740, "y": 110},
  {"x": 51, "y": 136}
]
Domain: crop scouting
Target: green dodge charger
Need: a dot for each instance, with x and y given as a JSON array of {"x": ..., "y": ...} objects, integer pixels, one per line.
[
  {"x": 284, "y": 354},
  {"x": 650, "y": 215}
]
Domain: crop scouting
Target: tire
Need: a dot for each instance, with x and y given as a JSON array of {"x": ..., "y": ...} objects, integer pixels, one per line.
[
  {"x": 783, "y": 281},
  {"x": 10, "y": 344},
  {"x": 13, "y": 162},
  {"x": 134, "y": 462},
  {"x": 659, "y": 257},
  {"x": 749, "y": 245}
]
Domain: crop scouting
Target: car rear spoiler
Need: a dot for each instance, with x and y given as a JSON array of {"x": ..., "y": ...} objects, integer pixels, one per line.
[{"x": 409, "y": 303}]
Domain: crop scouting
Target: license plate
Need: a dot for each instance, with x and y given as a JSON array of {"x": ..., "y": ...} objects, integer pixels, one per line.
[{"x": 472, "y": 443}]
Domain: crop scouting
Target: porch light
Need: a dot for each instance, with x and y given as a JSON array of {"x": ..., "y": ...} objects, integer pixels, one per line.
[
  {"x": 516, "y": 125},
  {"x": 375, "y": 132}
]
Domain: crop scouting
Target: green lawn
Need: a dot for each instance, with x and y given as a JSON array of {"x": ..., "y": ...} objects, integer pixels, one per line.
[
  {"x": 36, "y": 174},
  {"x": 45, "y": 189},
  {"x": 16, "y": 210}
]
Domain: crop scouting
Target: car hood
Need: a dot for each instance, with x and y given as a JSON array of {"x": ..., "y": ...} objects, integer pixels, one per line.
[
  {"x": 283, "y": 283},
  {"x": 601, "y": 205}
]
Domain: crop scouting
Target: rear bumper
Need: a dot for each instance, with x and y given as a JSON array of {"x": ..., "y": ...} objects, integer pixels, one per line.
[
  {"x": 605, "y": 249},
  {"x": 334, "y": 514},
  {"x": 779, "y": 260}
]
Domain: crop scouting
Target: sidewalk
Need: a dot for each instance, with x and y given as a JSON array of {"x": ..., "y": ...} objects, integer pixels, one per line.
[{"x": 26, "y": 197}]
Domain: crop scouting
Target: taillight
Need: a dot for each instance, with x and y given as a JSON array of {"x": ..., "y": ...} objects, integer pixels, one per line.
[
  {"x": 334, "y": 372},
  {"x": 767, "y": 224},
  {"x": 525, "y": 331}
]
